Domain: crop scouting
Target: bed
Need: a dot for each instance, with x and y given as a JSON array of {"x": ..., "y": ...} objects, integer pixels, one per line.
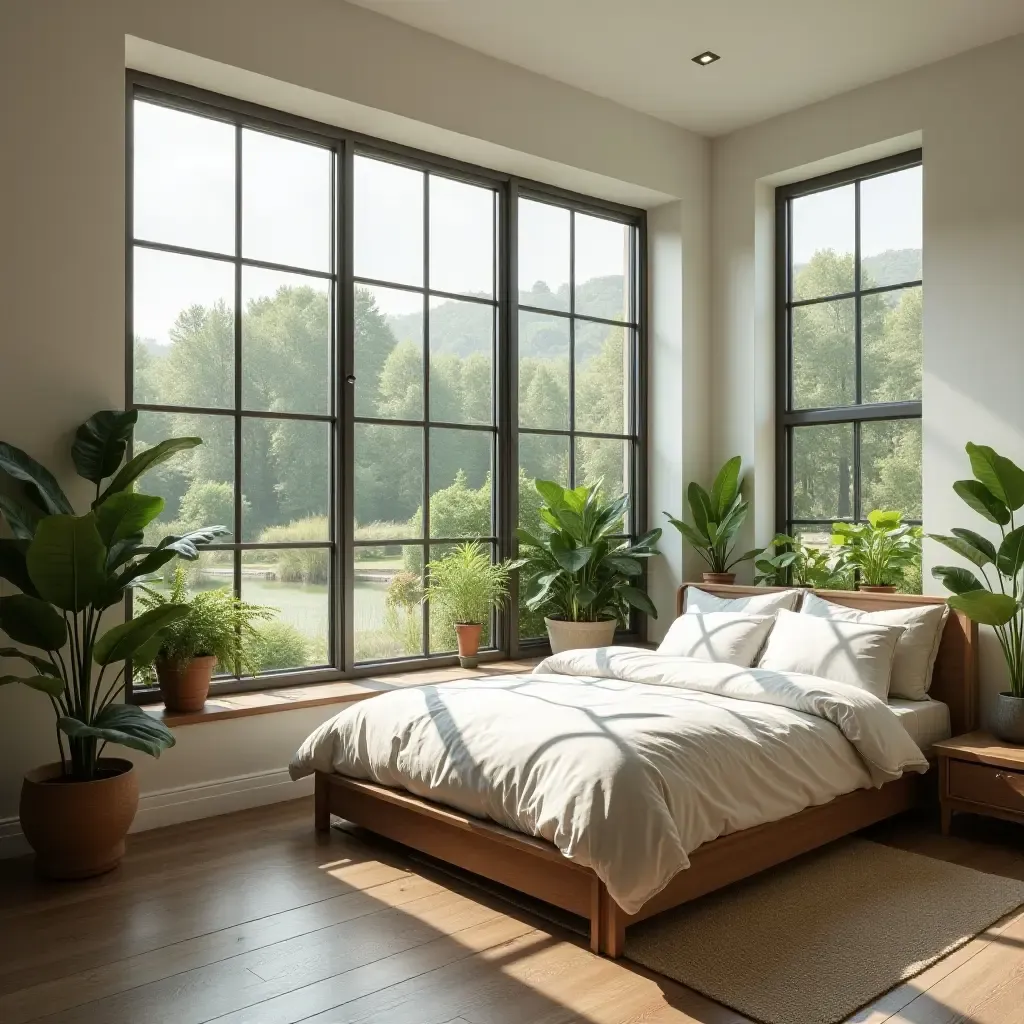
[{"x": 465, "y": 831}]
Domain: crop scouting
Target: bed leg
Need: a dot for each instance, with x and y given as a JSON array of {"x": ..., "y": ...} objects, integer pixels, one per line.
[
  {"x": 596, "y": 912},
  {"x": 614, "y": 921},
  {"x": 322, "y": 807}
]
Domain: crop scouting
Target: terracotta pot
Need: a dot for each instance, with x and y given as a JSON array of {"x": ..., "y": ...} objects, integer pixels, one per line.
[
  {"x": 185, "y": 684},
  {"x": 77, "y": 828},
  {"x": 468, "y": 634},
  {"x": 1008, "y": 723},
  {"x": 720, "y": 579},
  {"x": 571, "y": 636},
  {"x": 866, "y": 588}
]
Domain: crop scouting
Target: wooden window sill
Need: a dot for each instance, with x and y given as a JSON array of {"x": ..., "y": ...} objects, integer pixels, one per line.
[{"x": 340, "y": 692}]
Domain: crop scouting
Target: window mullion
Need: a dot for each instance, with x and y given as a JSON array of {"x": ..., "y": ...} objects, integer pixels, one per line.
[{"x": 238, "y": 525}]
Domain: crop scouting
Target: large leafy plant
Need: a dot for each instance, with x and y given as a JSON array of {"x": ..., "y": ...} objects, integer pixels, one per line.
[
  {"x": 789, "y": 561},
  {"x": 717, "y": 518},
  {"x": 70, "y": 569},
  {"x": 573, "y": 567},
  {"x": 881, "y": 549},
  {"x": 465, "y": 584},
  {"x": 995, "y": 493}
]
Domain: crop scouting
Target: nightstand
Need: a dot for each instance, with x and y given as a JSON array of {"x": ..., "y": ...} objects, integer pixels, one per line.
[{"x": 980, "y": 774}]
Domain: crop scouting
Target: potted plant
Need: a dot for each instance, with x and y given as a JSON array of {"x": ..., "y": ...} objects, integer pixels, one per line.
[
  {"x": 70, "y": 570},
  {"x": 217, "y": 629},
  {"x": 717, "y": 518},
  {"x": 463, "y": 587},
  {"x": 788, "y": 561},
  {"x": 995, "y": 493},
  {"x": 575, "y": 570},
  {"x": 878, "y": 550}
]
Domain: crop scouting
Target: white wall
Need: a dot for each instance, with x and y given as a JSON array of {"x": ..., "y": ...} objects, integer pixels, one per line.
[
  {"x": 966, "y": 111},
  {"x": 62, "y": 260}
]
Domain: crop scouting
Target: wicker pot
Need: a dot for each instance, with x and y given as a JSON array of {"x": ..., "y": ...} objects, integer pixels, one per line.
[
  {"x": 185, "y": 685},
  {"x": 571, "y": 636},
  {"x": 719, "y": 579},
  {"x": 77, "y": 828},
  {"x": 1008, "y": 723},
  {"x": 867, "y": 588},
  {"x": 468, "y": 634}
]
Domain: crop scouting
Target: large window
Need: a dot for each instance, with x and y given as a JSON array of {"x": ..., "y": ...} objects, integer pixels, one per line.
[
  {"x": 849, "y": 303},
  {"x": 337, "y": 319}
]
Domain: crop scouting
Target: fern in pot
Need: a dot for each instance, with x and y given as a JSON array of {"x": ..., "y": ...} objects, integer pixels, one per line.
[
  {"x": 577, "y": 572},
  {"x": 462, "y": 588}
]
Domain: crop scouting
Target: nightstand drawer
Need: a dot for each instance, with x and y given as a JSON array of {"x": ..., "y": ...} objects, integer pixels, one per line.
[{"x": 987, "y": 784}]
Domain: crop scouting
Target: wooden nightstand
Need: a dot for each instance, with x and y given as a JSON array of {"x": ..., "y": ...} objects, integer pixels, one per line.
[{"x": 980, "y": 774}]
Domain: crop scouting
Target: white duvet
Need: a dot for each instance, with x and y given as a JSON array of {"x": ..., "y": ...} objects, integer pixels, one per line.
[{"x": 624, "y": 759}]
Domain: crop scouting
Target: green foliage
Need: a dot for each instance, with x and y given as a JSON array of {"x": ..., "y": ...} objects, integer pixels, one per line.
[
  {"x": 572, "y": 568},
  {"x": 282, "y": 646},
  {"x": 208, "y": 501},
  {"x": 717, "y": 518},
  {"x": 788, "y": 561},
  {"x": 880, "y": 550},
  {"x": 465, "y": 585},
  {"x": 995, "y": 493},
  {"x": 301, "y": 565},
  {"x": 71, "y": 568}
]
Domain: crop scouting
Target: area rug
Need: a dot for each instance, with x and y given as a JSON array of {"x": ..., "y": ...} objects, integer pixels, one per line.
[{"x": 814, "y": 940}]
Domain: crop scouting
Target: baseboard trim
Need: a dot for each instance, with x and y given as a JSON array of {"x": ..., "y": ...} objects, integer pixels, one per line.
[{"x": 188, "y": 803}]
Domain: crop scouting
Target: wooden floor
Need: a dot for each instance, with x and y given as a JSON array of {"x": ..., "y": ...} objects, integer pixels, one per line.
[{"x": 252, "y": 918}]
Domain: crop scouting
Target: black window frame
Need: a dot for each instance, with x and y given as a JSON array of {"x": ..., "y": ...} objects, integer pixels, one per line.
[
  {"x": 786, "y": 417},
  {"x": 345, "y": 145}
]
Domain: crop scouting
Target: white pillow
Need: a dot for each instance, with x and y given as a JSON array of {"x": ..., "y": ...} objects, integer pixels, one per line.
[
  {"x": 755, "y": 604},
  {"x": 732, "y": 638},
  {"x": 857, "y": 653},
  {"x": 917, "y": 649}
]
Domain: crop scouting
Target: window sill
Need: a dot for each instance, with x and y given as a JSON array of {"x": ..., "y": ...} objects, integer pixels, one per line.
[{"x": 340, "y": 692}]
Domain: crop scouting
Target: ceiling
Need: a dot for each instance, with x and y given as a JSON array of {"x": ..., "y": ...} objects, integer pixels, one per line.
[{"x": 777, "y": 55}]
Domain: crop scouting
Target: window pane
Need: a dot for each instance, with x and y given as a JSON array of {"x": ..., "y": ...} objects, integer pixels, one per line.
[
  {"x": 602, "y": 267},
  {"x": 890, "y": 228},
  {"x": 461, "y": 237},
  {"x": 386, "y": 604},
  {"x": 604, "y": 460},
  {"x": 823, "y": 234},
  {"x": 389, "y": 353},
  {"x": 823, "y": 472},
  {"x": 389, "y": 476},
  {"x": 541, "y": 457},
  {"x": 184, "y": 190},
  {"x": 460, "y": 482},
  {"x": 824, "y": 355},
  {"x": 286, "y": 474},
  {"x": 891, "y": 338},
  {"x": 286, "y": 335},
  {"x": 388, "y": 222},
  {"x": 286, "y": 201},
  {"x": 601, "y": 380},
  {"x": 197, "y": 485},
  {"x": 183, "y": 321},
  {"x": 295, "y": 584},
  {"x": 443, "y": 638},
  {"x": 890, "y": 467},
  {"x": 461, "y": 361},
  {"x": 543, "y": 371},
  {"x": 543, "y": 255}
]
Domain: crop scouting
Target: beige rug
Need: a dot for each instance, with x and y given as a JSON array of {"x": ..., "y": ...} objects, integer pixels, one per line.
[{"x": 814, "y": 940}]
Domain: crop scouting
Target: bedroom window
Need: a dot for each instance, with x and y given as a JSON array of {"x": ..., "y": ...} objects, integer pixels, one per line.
[
  {"x": 336, "y": 317},
  {"x": 849, "y": 343}
]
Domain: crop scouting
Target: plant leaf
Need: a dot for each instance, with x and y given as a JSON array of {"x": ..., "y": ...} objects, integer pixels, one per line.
[
  {"x": 725, "y": 488},
  {"x": 639, "y": 600},
  {"x": 525, "y": 537},
  {"x": 125, "y": 514},
  {"x": 552, "y": 493},
  {"x": 983, "y": 544},
  {"x": 20, "y": 518},
  {"x": 956, "y": 578},
  {"x": 13, "y": 567},
  {"x": 624, "y": 564},
  {"x": 700, "y": 507},
  {"x": 983, "y": 501},
  {"x": 53, "y": 685},
  {"x": 28, "y": 620},
  {"x": 41, "y": 665},
  {"x": 121, "y": 642},
  {"x": 100, "y": 443},
  {"x": 965, "y": 549},
  {"x": 1004, "y": 479},
  {"x": 40, "y": 484},
  {"x": 985, "y": 607},
  {"x": 67, "y": 561},
  {"x": 145, "y": 461},
  {"x": 1010, "y": 558},
  {"x": 187, "y": 544},
  {"x": 125, "y": 724},
  {"x": 570, "y": 559}
]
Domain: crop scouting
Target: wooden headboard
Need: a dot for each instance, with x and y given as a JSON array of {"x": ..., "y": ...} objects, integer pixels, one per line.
[{"x": 955, "y": 679}]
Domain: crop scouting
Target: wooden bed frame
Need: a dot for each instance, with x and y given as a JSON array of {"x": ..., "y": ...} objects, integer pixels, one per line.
[{"x": 536, "y": 867}]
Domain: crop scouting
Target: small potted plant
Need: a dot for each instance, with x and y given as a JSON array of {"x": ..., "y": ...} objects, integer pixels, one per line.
[
  {"x": 216, "y": 629},
  {"x": 995, "y": 493},
  {"x": 879, "y": 550},
  {"x": 70, "y": 570},
  {"x": 717, "y": 518},
  {"x": 463, "y": 587},
  {"x": 788, "y": 561},
  {"x": 577, "y": 572}
]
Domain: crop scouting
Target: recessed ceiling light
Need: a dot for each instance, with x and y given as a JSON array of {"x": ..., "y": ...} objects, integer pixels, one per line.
[{"x": 707, "y": 57}]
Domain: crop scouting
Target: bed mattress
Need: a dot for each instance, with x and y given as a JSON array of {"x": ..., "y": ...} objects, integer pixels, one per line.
[{"x": 927, "y": 721}]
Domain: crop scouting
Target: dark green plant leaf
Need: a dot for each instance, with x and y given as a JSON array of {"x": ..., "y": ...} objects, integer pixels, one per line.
[
  {"x": 42, "y": 665},
  {"x": 1010, "y": 558},
  {"x": 700, "y": 507},
  {"x": 956, "y": 578},
  {"x": 67, "y": 561},
  {"x": 983, "y": 501},
  {"x": 28, "y": 620},
  {"x": 624, "y": 564},
  {"x": 187, "y": 545},
  {"x": 22, "y": 519},
  {"x": 985, "y": 607},
  {"x": 691, "y": 535},
  {"x": 552, "y": 493},
  {"x": 126, "y": 514},
  {"x": 982, "y": 544},
  {"x": 965, "y": 549},
  {"x": 54, "y": 686},
  {"x": 40, "y": 484},
  {"x": 145, "y": 461},
  {"x": 725, "y": 488},
  {"x": 124, "y": 549},
  {"x": 570, "y": 559},
  {"x": 121, "y": 642},
  {"x": 747, "y": 556},
  {"x": 153, "y": 562},
  {"x": 647, "y": 541},
  {"x": 100, "y": 443},
  {"x": 525, "y": 537},
  {"x": 998, "y": 474},
  {"x": 13, "y": 567},
  {"x": 639, "y": 600},
  {"x": 125, "y": 724}
]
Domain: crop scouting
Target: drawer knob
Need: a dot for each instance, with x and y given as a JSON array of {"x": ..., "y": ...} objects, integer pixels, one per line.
[{"x": 1002, "y": 776}]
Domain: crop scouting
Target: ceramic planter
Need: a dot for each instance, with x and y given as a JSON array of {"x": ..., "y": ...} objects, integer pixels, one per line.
[
  {"x": 468, "y": 634},
  {"x": 1008, "y": 723},
  {"x": 719, "y": 579},
  {"x": 77, "y": 829},
  {"x": 185, "y": 685},
  {"x": 866, "y": 588},
  {"x": 571, "y": 636}
]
